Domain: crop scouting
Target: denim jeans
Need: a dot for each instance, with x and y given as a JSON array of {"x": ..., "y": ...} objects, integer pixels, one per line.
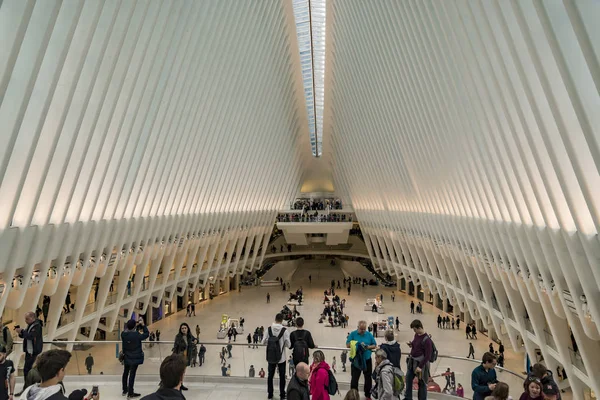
[
  {"x": 129, "y": 372},
  {"x": 410, "y": 376}
]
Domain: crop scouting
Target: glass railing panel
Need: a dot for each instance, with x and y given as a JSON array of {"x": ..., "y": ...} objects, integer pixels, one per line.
[{"x": 237, "y": 361}]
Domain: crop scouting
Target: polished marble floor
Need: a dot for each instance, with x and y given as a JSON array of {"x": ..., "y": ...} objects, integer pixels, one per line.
[{"x": 251, "y": 304}]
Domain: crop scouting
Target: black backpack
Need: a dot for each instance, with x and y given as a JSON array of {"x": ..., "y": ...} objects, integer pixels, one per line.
[
  {"x": 332, "y": 388},
  {"x": 300, "y": 350},
  {"x": 434, "y": 351},
  {"x": 274, "y": 349}
]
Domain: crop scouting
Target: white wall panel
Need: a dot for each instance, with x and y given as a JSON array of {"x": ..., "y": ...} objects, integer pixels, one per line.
[
  {"x": 150, "y": 136},
  {"x": 464, "y": 133}
]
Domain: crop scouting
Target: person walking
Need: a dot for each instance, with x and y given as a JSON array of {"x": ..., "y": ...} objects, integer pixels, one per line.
[
  {"x": 344, "y": 359},
  {"x": 473, "y": 331},
  {"x": 277, "y": 341},
  {"x": 361, "y": 342},
  {"x": 201, "y": 354},
  {"x": 32, "y": 341},
  {"x": 268, "y": 298},
  {"x": 471, "y": 350},
  {"x": 229, "y": 347},
  {"x": 483, "y": 377},
  {"x": 393, "y": 297},
  {"x": 397, "y": 323},
  {"x": 439, "y": 321},
  {"x": 384, "y": 372},
  {"x": 421, "y": 350},
  {"x": 468, "y": 331},
  {"x": 458, "y": 323},
  {"x": 184, "y": 340},
  {"x": 501, "y": 348},
  {"x": 198, "y": 331},
  {"x": 412, "y": 307},
  {"x": 319, "y": 377},
  {"x": 249, "y": 339},
  {"x": 453, "y": 323},
  {"x": 133, "y": 355},
  {"x": 89, "y": 363},
  {"x": 290, "y": 366},
  {"x": 301, "y": 341},
  {"x": 297, "y": 389}
]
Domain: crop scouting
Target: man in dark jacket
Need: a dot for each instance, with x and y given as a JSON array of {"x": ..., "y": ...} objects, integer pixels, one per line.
[
  {"x": 51, "y": 365},
  {"x": 301, "y": 340},
  {"x": 297, "y": 388},
  {"x": 172, "y": 370},
  {"x": 545, "y": 376},
  {"x": 483, "y": 378},
  {"x": 392, "y": 349},
  {"x": 32, "y": 341},
  {"x": 133, "y": 354}
]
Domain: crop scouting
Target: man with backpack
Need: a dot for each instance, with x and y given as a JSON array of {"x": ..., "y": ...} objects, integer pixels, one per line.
[
  {"x": 422, "y": 352},
  {"x": 301, "y": 340},
  {"x": 386, "y": 387},
  {"x": 276, "y": 340}
]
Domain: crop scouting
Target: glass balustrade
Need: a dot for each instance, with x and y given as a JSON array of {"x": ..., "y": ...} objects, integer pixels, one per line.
[{"x": 243, "y": 356}]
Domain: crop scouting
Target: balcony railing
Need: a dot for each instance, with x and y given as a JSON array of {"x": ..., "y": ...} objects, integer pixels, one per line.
[
  {"x": 315, "y": 217},
  {"x": 577, "y": 361},
  {"x": 549, "y": 339},
  {"x": 528, "y": 325},
  {"x": 242, "y": 357}
]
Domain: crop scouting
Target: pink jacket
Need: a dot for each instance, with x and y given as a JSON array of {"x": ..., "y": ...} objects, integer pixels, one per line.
[{"x": 319, "y": 379}]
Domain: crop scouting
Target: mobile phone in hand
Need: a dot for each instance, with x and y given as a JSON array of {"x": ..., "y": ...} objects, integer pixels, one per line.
[{"x": 94, "y": 390}]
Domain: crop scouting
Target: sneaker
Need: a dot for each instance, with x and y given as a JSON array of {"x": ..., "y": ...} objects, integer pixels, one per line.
[
  {"x": 124, "y": 393},
  {"x": 183, "y": 388},
  {"x": 133, "y": 395}
]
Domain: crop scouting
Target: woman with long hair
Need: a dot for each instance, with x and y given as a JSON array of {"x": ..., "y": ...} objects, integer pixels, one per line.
[
  {"x": 319, "y": 377},
  {"x": 532, "y": 389},
  {"x": 183, "y": 344},
  {"x": 500, "y": 392}
]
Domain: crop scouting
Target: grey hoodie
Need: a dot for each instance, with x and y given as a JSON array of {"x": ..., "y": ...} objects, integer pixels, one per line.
[
  {"x": 36, "y": 392},
  {"x": 385, "y": 380}
]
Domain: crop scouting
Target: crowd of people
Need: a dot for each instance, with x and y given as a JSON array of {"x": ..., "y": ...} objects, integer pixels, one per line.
[
  {"x": 315, "y": 216},
  {"x": 317, "y": 204},
  {"x": 310, "y": 375}
]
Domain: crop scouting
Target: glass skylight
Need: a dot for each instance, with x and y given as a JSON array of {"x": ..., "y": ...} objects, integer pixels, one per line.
[{"x": 310, "y": 28}]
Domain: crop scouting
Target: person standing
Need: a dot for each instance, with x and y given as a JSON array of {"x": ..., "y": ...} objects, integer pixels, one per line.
[
  {"x": 46, "y": 309},
  {"x": 421, "y": 350},
  {"x": 439, "y": 321},
  {"x": 172, "y": 371},
  {"x": 384, "y": 382},
  {"x": 393, "y": 297},
  {"x": 290, "y": 366},
  {"x": 319, "y": 377},
  {"x": 471, "y": 351},
  {"x": 133, "y": 355},
  {"x": 468, "y": 331},
  {"x": 397, "y": 323},
  {"x": 268, "y": 298},
  {"x": 249, "y": 339},
  {"x": 89, "y": 363},
  {"x": 277, "y": 341},
  {"x": 501, "y": 348},
  {"x": 412, "y": 307},
  {"x": 32, "y": 341},
  {"x": 491, "y": 348},
  {"x": 310, "y": 279},
  {"x": 198, "y": 331},
  {"x": 483, "y": 377},
  {"x": 68, "y": 303},
  {"x": 7, "y": 374},
  {"x": 6, "y": 338},
  {"x": 473, "y": 331},
  {"x": 344, "y": 359},
  {"x": 458, "y": 323},
  {"x": 201, "y": 353},
  {"x": 251, "y": 372},
  {"x": 300, "y": 341},
  {"x": 363, "y": 342},
  {"x": 297, "y": 389},
  {"x": 392, "y": 349},
  {"x": 229, "y": 347}
]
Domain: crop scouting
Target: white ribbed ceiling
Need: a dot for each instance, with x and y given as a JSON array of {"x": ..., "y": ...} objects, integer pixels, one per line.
[{"x": 467, "y": 134}]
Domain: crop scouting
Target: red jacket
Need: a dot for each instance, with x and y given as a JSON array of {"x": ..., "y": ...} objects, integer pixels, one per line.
[{"x": 319, "y": 380}]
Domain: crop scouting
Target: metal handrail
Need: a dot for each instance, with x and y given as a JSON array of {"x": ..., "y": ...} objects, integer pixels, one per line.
[{"x": 244, "y": 344}]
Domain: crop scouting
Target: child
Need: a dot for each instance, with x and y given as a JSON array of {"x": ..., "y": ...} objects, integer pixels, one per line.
[{"x": 460, "y": 391}]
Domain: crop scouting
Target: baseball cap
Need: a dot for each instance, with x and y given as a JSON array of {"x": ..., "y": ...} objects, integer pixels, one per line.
[{"x": 549, "y": 390}]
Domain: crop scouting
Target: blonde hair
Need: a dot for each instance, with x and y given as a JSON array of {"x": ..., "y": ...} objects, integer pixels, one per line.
[{"x": 352, "y": 395}]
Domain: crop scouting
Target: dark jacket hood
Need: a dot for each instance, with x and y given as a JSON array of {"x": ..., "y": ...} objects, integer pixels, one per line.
[{"x": 165, "y": 394}]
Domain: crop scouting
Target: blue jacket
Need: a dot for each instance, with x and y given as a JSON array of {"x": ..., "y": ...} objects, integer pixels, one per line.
[
  {"x": 479, "y": 382},
  {"x": 392, "y": 349},
  {"x": 359, "y": 361},
  {"x": 132, "y": 345}
]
